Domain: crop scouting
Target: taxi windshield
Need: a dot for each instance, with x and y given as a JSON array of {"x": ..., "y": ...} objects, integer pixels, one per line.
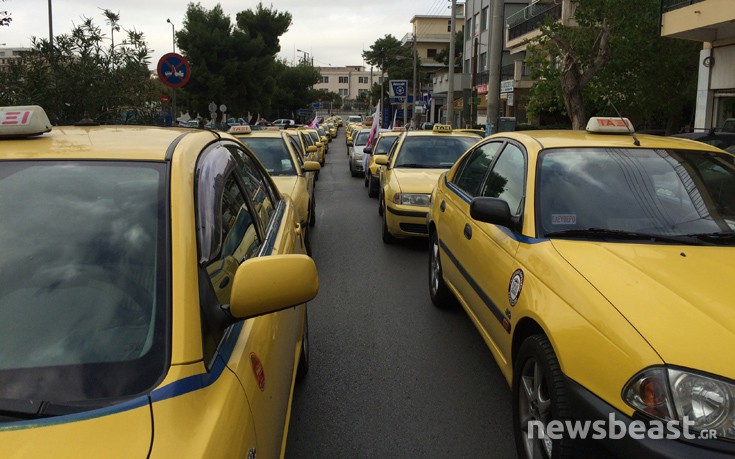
[
  {"x": 84, "y": 280},
  {"x": 432, "y": 152},
  {"x": 273, "y": 153},
  {"x": 654, "y": 192}
]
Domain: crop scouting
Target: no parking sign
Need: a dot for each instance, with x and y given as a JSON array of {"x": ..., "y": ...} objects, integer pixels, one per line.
[{"x": 173, "y": 70}]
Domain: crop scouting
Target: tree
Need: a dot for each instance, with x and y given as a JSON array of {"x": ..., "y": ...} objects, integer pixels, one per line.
[
  {"x": 443, "y": 54},
  {"x": 5, "y": 18},
  {"x": 613, "y": 54},
  {"x": 232, "y": 64},
  {"x": 80, "y": 77},
  {"x": 293, "y": 87}
]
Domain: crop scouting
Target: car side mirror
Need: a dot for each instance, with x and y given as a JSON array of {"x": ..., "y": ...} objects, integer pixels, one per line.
[
  {"x": 350, "y": 144},
  {"x": 268, "y": 284},
  {"x": 311, "y": 149},
  {"x": 381, "y": 160},
  {"x": 311, "y": 166},
  {"x": 492, "y": 210},
  {"x": 368, "y": 150}
]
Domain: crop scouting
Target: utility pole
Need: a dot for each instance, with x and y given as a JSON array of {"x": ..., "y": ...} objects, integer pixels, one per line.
[
  {"x": 494, "y": 62},
  {"x": 414, "y": 120},
  {"x": 450, "y": 86}
]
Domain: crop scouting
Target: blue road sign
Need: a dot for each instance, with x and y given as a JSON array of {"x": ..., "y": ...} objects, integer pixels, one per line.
[
  {"x": 398, "y": 88},
  {"x": 173, "y": 70}
]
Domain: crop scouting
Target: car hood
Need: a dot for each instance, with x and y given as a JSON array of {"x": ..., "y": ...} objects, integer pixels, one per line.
[
  {"x": 681, "y": 299},
  {"x": 417, "y": 180},
  {"x": 110, "y": 432}
]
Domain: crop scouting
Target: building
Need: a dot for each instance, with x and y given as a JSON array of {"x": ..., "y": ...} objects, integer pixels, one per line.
[
  {"x": 711, "y": 22},
  {"x": 352, "y": 83},
  {"x": 477, "y": 27},
  {"x": 7, "y": 55},
  {"x": 522, "y": 27}
]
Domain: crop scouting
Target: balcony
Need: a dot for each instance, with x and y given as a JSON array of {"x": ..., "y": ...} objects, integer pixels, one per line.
[
  {"x": 698, "y": 20},
  {"x": 530, "y": 18},
  {"x": 671, "y": 5}
]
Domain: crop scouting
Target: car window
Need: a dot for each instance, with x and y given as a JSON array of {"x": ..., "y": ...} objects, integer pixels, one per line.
[
  {"x": 432, "y": 151},
  {"x": 506, "y": 179},
  {"x": 474, "y": 167},
  {"x": 273, "y": 153},
  {"x": 258, "y": 188},
  {"x": 297, "y": 148},
  {"x": 84, "y": 268},
  {"x": 384, "y": 144},
  {"x": 361, "y": 138},
  {"x": 660, "y": 192}
]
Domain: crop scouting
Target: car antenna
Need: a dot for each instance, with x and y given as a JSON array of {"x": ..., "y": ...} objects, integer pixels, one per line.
[{"x": 636, "y": 142}]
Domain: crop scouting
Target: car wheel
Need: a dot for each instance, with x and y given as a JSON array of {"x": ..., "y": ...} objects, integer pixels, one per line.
[
  {"x": 387, "y": 237},
  {"x": 438, "y": 290},
  {"x": 312, "y": 211},
  {"x": 303, "y": 367},
  {"x": 372, "y": 188},
  {"x": 539, "y": 396}
]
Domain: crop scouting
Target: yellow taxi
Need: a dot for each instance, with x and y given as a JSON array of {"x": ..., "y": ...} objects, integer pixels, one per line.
[
  {"x": 306, "y": 148},
  {"x": 316, "y": 140},
  {"x": 279, "y": 154},
  {"x": 153, "y": 294},
  {"x": 598, "y": 267},
  {"x": 410, "y": 174},
  {"x": 380, "y": 147}
]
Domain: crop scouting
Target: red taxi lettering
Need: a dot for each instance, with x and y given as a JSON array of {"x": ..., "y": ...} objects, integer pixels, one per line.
[
  {"x": 615, "y": 122},
  {"x": 15, "y": 118}
]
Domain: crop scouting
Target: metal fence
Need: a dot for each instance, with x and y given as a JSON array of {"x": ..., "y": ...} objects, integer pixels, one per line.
[{"x": 530, "y": 18}]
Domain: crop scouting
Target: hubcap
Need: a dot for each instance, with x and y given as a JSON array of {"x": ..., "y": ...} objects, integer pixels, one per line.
[
  {"x": 534, "y": 405},
  {"x": 435, "y": 267}
]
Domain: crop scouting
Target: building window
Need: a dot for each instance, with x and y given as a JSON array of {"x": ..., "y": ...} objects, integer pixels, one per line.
[
  {"x": 324, "y": 79},
  {"x": 344, "y": 80},
  {"x": 362, "y": 80},
  {"x": 449, "y": 25},
  {"x": 484, "y": 18},
  {"x": 431, "y": 53},
  {"x": 468, "y": 30},
  {"x": 344, "y": 92},
  {"x": 483, "y": 62}
]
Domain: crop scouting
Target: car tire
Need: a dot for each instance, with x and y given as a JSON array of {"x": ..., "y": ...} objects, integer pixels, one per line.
[
  {"x": 539, "y": 394},
  {"x": 372, "y": 188},
  {"x": 387, "y": 237},
  {"x": 303, "y": 367},
  {"x": 312, "y": 211},
  {"x": 440, "y": 294}
]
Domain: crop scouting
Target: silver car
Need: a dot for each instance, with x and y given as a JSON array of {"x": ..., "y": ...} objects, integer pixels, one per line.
[{"x": 354, "y": 150}]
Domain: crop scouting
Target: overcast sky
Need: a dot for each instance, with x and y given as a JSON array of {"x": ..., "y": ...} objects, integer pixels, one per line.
[{"x": 333, "y": 33}]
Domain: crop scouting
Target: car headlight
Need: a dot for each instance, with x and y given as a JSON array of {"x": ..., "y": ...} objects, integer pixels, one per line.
[
  {"x": 412, "y": 199},
  {"x": 673, "y": 394}
]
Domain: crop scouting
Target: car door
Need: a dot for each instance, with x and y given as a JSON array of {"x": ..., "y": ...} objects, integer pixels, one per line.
[
  {"x": 493, "y": 266},
  {"x": 454, "y": 222},
  {"x": 253, "y": 221},
  {"x": 481, "y": 253}
]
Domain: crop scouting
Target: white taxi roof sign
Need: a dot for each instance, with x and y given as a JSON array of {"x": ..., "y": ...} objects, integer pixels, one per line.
[
  {"x": 23, "y": 121},
  {"x": 442, "y": 128},
  {"x": 243, "y": 129},
  {"x": 609, "y": 125}
]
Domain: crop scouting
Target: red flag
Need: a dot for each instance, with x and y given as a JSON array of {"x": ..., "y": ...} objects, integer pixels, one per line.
[{"x": 374, "y": 127}]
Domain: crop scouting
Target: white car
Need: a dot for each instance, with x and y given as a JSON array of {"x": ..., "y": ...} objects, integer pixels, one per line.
[{"x": 283, "y": 123}]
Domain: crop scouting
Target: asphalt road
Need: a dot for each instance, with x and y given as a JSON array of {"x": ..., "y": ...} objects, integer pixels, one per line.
[{"x": 390, "y": 376}]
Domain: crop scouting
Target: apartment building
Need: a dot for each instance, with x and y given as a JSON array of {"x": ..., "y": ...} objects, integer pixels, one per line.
[
  {"x": 352, "y": 83},
  {"x": 478, "y": 31},
  {"x": 7, "y": 55},
  {"x": 711, "y": 22}
]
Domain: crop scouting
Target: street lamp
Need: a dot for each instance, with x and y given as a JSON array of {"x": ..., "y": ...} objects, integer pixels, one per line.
[
  {"x": 305, "y": 58},
  {"x": 173, "y": 33},
  {"x": 173, "y": 90},
  {"x": 50, "y": 26}
]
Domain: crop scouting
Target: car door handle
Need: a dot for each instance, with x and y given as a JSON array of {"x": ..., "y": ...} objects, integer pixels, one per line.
[
  {"x": 468, "y": 231},
  {"x": 443, "y": 206}
]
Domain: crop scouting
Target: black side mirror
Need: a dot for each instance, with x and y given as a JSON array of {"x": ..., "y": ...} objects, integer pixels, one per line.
[
  {"x": 368, "y": 150},
  {"x": 492, "y": 210}
]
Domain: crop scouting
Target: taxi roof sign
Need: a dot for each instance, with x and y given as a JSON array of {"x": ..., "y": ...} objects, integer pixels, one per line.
[
  {"x": 23, "y": 121},
  {"x": 242, "y": 129},
  {"x": 442, "y": 128},
  {"x": 609, "y": 125}
]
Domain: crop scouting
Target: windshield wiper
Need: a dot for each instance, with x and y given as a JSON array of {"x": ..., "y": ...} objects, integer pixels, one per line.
[
  {"x": 719, "y": 236},
  {"x": 603, "y": 233}
]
